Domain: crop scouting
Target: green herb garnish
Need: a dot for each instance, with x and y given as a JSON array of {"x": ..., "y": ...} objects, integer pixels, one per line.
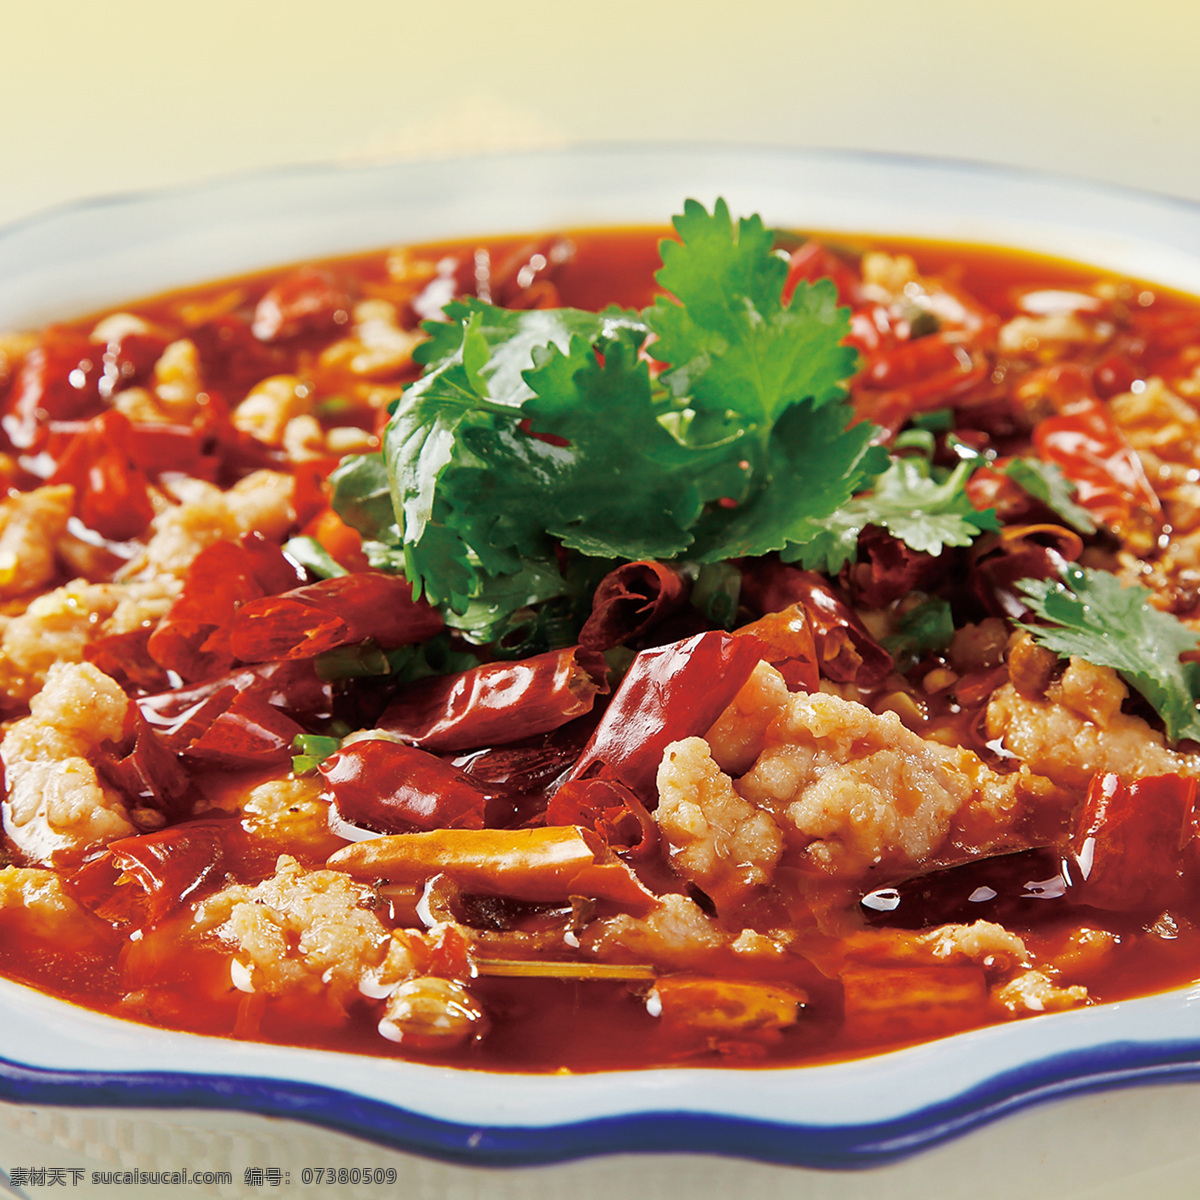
[
  {"x": 312, "y": 749},
  {"x": 926, "y": 509},
  {"x": 1045, "y": 481},
  {"x": 926, "y": 626},
  {"x": 313, "y": 557},
  {"x": 1092, "y": 616},
  {"x": 533, "y": 438}
]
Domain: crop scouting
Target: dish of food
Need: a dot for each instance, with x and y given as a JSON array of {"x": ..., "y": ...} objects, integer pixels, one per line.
[{"x": 506, "y": 655}]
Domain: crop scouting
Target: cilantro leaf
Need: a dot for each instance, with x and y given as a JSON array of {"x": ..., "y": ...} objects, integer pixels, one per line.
[
  {"x": 1093, "y": 617},
  {"x": 487, "y": 614},
  {"x": 616, "y": 451},
  {"x": 472, "y": 393},
  {"x": 911, "y": 504},
  {"x": 815, "y": 463},
  {"x": 1045, "y": 481},
  {"x": 928, "y": 626},
  {"x": 731, "y": 343},
  {"x": 534, "y": 434},
  {"x": 362, "y": 496}
]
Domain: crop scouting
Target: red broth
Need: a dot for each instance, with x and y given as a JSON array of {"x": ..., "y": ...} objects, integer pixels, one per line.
[{"x": 167, "y": 908}]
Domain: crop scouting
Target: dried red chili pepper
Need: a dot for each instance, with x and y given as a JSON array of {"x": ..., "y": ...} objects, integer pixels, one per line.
[
  {"x": 888, "y": 569},
  {"x": 609, "y": 808},
  {"x": 670, "y": 692},
  {"x": 631, "y": 599},
  {"x": 525, "y": 277},
  {"x": 110, "y": 486},
  {"x": 1021, "y": 888},
  {"x": 307, "y": 300},
  {"x": 232, "y": 359},
  {"x": 149, "y": 773},
  {"x": 193, "y": 639},
  {"x": 1130, "y": 841},
  {"x": 916, "y": 376},
  {"x": 58, "y": 380},
  {"x": 307, "y": 621},
  {"x": 233, "y": 452},
  {"x": 393, "y": 788},
  {"x": 138, "y": 881},
  {"x": 250, "y": 731},
  {"x": 498, "y": 702},
  {"x": 990, "y": 487},
  {"x": 846, "y": 652},
  {"x": 813, "y": 261},
  {"x": 1085, "y": 442},
  {"x": 126, "y": 658},
  {"x": 182, "y": 716},
  {"x": 129, "y": 361},
  {"x": 998, "y": 561},
  {"x": 789, "y": 646}
]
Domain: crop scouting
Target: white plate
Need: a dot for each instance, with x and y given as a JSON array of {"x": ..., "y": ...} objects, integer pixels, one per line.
[{"x": 853, "y": 1115}]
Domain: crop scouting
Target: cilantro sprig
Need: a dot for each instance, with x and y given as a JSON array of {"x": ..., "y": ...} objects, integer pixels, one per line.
[
  {"x": 1045, "y": 481},
  {"x": 926, "y": 509},
  {"x": 1091, "y": 615},
  {"x": 531, "y": 433}
]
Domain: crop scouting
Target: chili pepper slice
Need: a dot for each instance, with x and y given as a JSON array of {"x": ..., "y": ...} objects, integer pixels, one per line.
[
  {"x": 498, "y": 702},
  {"x": 138, "y": 881},
  {"x": 393, "y": 788},
  {"x": 1085, "y": 442},
  {"x": 110, "y": 486},
  {"x": 1130, "y": 841},
  {"x": 307, "y": 621},
  {"x": 193, "y": 638},
  {"x": 629, "y": 600},
  {"x": 846, "y": 651},
  {"x": 670, "y": 692},
  {"x": 307, "y": 300}
]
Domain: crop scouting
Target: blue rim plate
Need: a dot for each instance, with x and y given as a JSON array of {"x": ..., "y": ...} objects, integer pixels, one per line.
[{"x": 80, "y": 258}]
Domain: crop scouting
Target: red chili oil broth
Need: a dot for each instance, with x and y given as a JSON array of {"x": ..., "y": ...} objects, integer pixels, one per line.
[{"x": 553, "y": 1025}]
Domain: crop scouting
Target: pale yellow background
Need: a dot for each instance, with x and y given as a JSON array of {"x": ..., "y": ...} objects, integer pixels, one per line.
[
  {"x": 98, "y": 96},
  {"x": 103, "y": 96}
]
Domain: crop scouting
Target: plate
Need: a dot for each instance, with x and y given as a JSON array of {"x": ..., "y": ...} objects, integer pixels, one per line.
[{"x": 855, "y": 1115}]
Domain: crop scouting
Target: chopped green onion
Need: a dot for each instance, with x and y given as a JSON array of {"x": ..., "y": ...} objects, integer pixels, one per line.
[
  {"x": 313, "y": 557},
  {"x": 352, "y": 662},
  {"x": 312, "y": 749}
]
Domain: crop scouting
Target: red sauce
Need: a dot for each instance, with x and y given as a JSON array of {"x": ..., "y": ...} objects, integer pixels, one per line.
[{"x": 165, "y": 975}]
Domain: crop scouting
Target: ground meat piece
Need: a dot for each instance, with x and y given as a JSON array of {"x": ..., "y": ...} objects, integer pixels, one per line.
[
  {"x": 299, "y": 932},
  {"x": 30, "y": 524},
  {"x": 1079, "y": 729},
  {"x": 984, "y": 943},
  {"x": 1160, "y": 426},
  {"x": 270, "y": 405},
  {"x": 289, "y": 812},
  {"x": 1085, "y": 949},
  {"x": 59, "y": 625},
  {"x": 1029, "y": 334},
  {"x": 262, "y": 501},
  {"x": 720, "y": 842},
  {"x": 56, "y": 808},
  {"x": 283, "y": 813},
  {"x": 737, "y": 737},
  {"x": 177, "y": 380},
  {"x": 675, "y": 936},
  {"x": 1034, "y": 992},
  {"x": 377, "y": 346},
  {"x": 1030, "y": 666},
  {"x": 885, "y": 276},
  {"x": 852, "y": 789},
  {"x": 33, "y": 904}
]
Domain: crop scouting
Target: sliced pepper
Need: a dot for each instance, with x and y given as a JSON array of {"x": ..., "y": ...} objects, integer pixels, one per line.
[{"x": 498, "y": 702}]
